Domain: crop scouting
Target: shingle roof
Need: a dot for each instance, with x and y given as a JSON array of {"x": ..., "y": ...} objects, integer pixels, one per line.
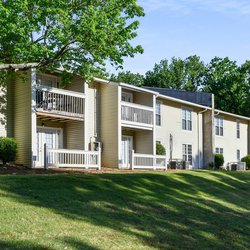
[{"x": 201, "y": 98}]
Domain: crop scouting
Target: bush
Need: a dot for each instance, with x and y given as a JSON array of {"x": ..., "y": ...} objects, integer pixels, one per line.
[
  {"x": 246, "y": 159},
  {"x": 8, "y": 149},
  {"x": 218, "y": 160},
  {"x": 160, "y": 149}
]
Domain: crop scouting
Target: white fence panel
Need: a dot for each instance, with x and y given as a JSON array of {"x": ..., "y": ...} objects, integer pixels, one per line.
[{"x": 73, "y": 158}]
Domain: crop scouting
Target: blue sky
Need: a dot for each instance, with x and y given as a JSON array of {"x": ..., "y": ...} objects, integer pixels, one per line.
[{"x": 181, "y": 28}]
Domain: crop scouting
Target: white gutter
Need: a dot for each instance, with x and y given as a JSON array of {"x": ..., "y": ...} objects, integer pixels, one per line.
[
  {"x": 231, "y": 114},
  {"x": 184, "y": 102}
]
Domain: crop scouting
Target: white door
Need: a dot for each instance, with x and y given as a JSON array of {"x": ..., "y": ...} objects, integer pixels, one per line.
[
  {"x": 51, "y": 137},
  {"x": 127, "y": 146}
]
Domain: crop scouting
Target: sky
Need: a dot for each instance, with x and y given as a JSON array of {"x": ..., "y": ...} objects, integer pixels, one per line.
[{"x": 180, "y": 28}]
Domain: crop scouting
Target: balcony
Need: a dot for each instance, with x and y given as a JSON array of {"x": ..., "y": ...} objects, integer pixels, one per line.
[
  {"x": 137, "y": 116},
  {"x": 59, "y": 103}
]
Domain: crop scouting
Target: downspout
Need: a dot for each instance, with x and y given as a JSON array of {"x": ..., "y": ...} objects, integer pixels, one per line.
[{"x": 198, "y": 127}]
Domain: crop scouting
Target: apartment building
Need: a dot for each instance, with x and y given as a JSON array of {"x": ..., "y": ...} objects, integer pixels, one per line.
[{"x": 115, "y": 125}]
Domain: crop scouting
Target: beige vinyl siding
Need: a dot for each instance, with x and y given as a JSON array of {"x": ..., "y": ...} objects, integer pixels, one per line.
[
  {"x": 109, "y": 125},
  {"x": 76, "y": 85},
  {"x": 229, "y": 141},
  {"x": 144, "y": 143},
  {"x": 10, "y": 106},
  {"x": 74, "y": 135},
  {"x": 171, "y": 117},
  {"x": 140, "y": 98},
  {"x": 22, "y": 118},
  {"x": 144, "y": 99}
]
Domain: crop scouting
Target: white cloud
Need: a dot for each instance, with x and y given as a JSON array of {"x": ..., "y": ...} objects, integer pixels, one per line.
[{"x": 240, "y": 7}]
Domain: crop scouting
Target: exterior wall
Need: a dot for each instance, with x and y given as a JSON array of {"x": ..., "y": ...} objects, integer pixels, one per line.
[
  {"x": 93, "y": 112},
  {"x": 109, "y": 129},
  {"x": 140, "y": 97},
  {"x": 22, "y": 118},
  {"x": 171, "y": 124},
  {"x": 74, "y": 135},
  {"x": 144, "y": 142},
  {"x": 208, "y": 143},
  {"x": 229, "y": 141},
  {"x": 76, "y": 85}
]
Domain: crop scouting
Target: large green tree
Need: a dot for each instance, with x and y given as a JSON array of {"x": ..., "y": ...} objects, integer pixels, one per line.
[
  {"x": 77, "y": 35},
  {"x": 228, "y": 82},
  {"x": 128, "y": 77},
  {"x": 177, "y": 74}
]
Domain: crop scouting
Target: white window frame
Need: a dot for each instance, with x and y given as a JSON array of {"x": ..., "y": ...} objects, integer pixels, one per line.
[
  {"x": 219, "y": 150},
  {"x": 184, "y": 119},
  {"x": 219, "y": 126},
  {"x": 127, "y": 96},
  {"x": 238, "y": 129},
  {"x": 186, "y": 154},
  {"x": 156, "y": 114},
  {"x": 43, "y": 79}
]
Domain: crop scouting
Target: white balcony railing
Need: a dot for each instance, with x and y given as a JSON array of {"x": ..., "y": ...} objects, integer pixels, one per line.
[
  {"x": 59, "y": 102},
  {"x": 148, "y": 161},
  {"x": 137, "y": 114},
  {"x": 72, "y": 158}
]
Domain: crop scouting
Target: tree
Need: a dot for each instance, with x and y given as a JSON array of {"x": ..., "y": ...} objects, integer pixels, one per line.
[
  {"x": 226, "y": 80},
  {"x": 178, "y": 74},
  {"x": 128, "y": 77},
  {"x": 77, "y": 35}
]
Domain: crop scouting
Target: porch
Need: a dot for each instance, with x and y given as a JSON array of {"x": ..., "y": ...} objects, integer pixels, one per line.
[
  {"x": 137, "y": 109},
  {"x": 60, "y": 143},
  {"x": 138, "y": 151},
  {"x": 59, "y": 103}
]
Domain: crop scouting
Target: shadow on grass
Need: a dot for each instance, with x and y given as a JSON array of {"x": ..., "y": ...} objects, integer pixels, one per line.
[{"x": 203, "y": 210}]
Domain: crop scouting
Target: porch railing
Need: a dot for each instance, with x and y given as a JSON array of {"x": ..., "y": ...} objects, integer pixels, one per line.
[
  {"x": 138, "y": 114},
  {"x": 148, "y": 161},
  {"x": 72, "y": 158},
  {"x": 59, "y": 101}
]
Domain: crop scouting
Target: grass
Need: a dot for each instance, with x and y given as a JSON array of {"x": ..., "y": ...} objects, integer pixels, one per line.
[{"x": 180, "y": 210}]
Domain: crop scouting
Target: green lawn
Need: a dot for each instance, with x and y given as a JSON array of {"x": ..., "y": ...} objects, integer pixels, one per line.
[{"x": 175, "y": 210}]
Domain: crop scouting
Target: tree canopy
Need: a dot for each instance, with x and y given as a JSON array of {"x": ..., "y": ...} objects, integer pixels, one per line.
[
  {"x": 229, "y": 82},
  {"x": 128, "y": 77},
  {"x": 77, "y": 35}
]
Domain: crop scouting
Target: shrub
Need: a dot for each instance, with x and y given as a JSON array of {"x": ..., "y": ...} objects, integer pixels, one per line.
[
  {"x": 8, "y": 149},
  {"x": 246, "y": 159},
  {"x": 160, "y": 149},
  {"x": 218, "y": 160}
]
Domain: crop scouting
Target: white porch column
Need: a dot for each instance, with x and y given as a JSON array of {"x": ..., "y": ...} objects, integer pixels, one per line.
[
  {"x": 86, "y": 117},
  {"x": 154, "y": 125},
  {"x": 33, "y": 117},
  {"x": 119, "y": 95}
]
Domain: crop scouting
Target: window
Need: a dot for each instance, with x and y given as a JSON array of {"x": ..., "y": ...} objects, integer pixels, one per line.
[
  {"x": 48, "y": 81},
  {"x": 238, "y": 155},
  {"x": 219, "y": 151},
  {"x": 127, "y": 97},
  {"x": 219, "y": 126},
  {"x": 187, "y": 119},
  {"x": 238, "y": 130},
  {"x": 187, "y": 153},
  {"x": 158, "y": 113}
]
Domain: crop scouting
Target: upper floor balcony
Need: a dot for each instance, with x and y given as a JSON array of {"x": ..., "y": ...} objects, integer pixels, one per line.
[
  {"x": 137, "y": 110},
  {"x": 59, "y": 102}
]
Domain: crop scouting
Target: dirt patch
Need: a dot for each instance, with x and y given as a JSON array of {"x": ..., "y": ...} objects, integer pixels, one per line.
[{"x": 22, "y": 170}]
